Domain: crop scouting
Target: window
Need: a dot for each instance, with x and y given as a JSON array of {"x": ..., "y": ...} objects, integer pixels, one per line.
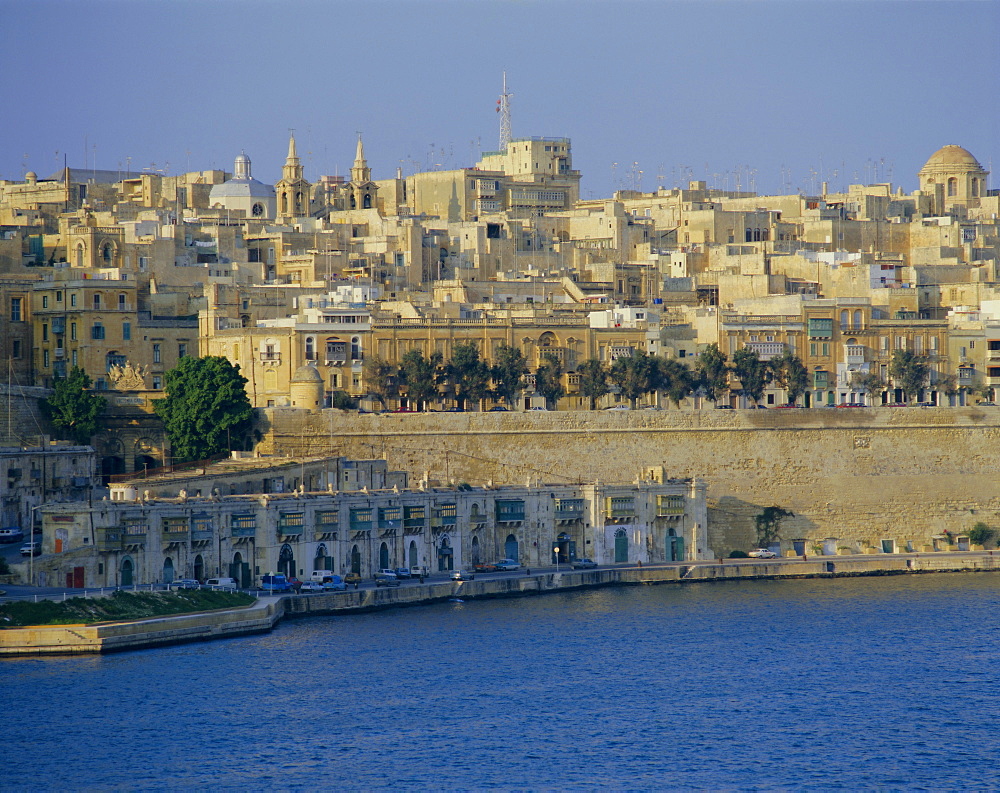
[
  {"x": 15, "y": 348},
  {"x": 74, "y": 356},
  {"x": 97, "y": 300},
  {"x": 15, "y": 309},
  {"x": 126, "y": 331},
  {"x": 182, "y": 349},
  {"x": 97, "y": 331},
  {"x": 45, "y": 331},
  {"x": 45, "y": 358},
  {"x": 157, "y": 382},
  {"x": 156, "y": 353},
  {"x": 59, "y": 296},
  {"x": 45, "y": 301},
  {"x": 72, "y": 331},
  {"x": 72, "y": 300},
  {"x": 121, "y": 302}
]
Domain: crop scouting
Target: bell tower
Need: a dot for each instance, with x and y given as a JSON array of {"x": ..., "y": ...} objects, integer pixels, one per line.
[
  {"x": 293, "y": 191},
  {"x": 362, "y": 191}
]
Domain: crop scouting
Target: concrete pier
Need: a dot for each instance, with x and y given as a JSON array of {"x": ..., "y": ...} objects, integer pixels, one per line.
[{"x": 266, "y": 612}]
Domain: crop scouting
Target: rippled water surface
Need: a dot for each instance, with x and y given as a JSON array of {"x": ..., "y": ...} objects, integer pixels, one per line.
[{"x": 882, "y": 683}]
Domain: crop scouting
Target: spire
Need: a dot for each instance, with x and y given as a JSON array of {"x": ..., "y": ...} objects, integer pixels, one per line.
[
  {"x": 360, "y": 172},
  {"x": 292, "y": 169}
]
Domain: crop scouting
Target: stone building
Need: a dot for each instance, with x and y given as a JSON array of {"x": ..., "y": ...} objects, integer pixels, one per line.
[{"x": 143, "y": 540}]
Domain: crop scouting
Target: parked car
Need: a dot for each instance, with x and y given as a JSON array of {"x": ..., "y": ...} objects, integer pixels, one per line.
[
  {"x": 275, "y": 583},
  {"x": 416, "y": 572},
  {"x": 11, "y": 534},
  {"x": 403, "y": 572},
  {"x": 539, "y": 410},
  {"x": 583, "y": 564},
  {"x": 310, "y": 586},
  {"x": 762, "y": 553},
  {"x": 462, "y": 575},
  {"x": 619, "y": 407},
  {"x": 184, "y": 583},
  {"x": 498, "y": 409},
  {"x": 388, "y": 572},
  {"x": 31, "y": 548},
  {"x": 384, "y": 580},
  {"x": 221, "y": 583},
  {"x": 507, "y": 564},
  {"x": 485, "y": 567},
  {"x": 352, "y": 578},
  {"x": 333, "y": 583},
  {"x": 723, "y": 407}
]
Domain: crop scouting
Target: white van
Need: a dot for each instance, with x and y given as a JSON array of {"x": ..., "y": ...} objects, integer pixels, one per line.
[
  {"x": 221, "y": 583},
  {"x": 319, "y": 575}
]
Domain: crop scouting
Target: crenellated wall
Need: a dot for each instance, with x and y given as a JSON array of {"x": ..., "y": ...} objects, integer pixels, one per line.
[{"x": 856, "y": 476}]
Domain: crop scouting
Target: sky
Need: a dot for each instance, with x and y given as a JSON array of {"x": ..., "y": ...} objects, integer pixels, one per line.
[{"x": 767, "y": 96}]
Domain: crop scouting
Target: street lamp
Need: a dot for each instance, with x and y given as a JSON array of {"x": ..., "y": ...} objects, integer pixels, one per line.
[
  {"x": 556, "y": 551},
  {"x": 31, "y": 544}
]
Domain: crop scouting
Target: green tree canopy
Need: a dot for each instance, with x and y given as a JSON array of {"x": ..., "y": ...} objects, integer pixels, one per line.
[
  {"x": 768, "y": 525},
  {"x": 419, "y": 376},
  {"x": 206, "y": 410},
  {"x": 548, "y": 380},
  {"x": 74, "y": 412},
  {"x": 870, "y": 382},
  {"x": 634, "y": 375},
  {"x": 509, "y": 369},
  {"x": 674, "y": 378},
  {"x": 791, "y": 374},
  {"x": 713, "y": 373},
  {"x": 594, "y": 377},
  {"x": 753, "y": 373},
  {"x": 469, "y": 374},
  {"x": 380, "y": 379},
  {"x": 908, "y": 371}
]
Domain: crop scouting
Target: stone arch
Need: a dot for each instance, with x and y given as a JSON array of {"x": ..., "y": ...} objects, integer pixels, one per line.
[
  {"x": 413, "y": 554},
  {"x": 126, "y": 572},
  {"x": 199, "y": 568},
  {"x": 168, "y": 570},
  {"x": 286, "y": 561},
  {"x": 621, "y": 546},
  {"x": 383, "y": 556},
  {"x": 354, "y": 560},
  {"x": 510, "y": 547},
  {"x": 320, "y": 559},
  {"x": 475, "y": 550}
]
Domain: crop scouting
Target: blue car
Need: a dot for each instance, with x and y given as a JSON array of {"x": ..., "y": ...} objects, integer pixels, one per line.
[
  {"x": 334, "y": 583},
  {"x": 275, "y": 583}
]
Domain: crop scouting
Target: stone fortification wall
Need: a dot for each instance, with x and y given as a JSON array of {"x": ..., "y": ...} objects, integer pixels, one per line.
[
  {"x": 21, "y": 419},
  {"x": 856, "y": 475}
]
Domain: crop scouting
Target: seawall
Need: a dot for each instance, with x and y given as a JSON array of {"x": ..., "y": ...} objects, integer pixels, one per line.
[
  {"x": 857, "y": 476},
  {"x": 261, "y": 617}
]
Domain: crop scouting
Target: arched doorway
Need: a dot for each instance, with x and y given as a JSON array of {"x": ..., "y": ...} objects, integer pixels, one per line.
[
  {"x": 126, "y": 572},
  {"x": 414, "y": 560},
  {"x": 446, "y": 555},
  {"x": 510, "y": 548},
  {"x": 475, "y": 551},
  {"x": 145, "y": 462},
  {"x": 111, "y": 466},
  {"x": 168, "y": 570},
  {"x": 355, "y": 560},
  {"x": 562, "y": 555},
  {"x": 621, "y": 546},
  {"x": 199, "y": 568},
  {"x": 286, "y": 561},
  {"x": 321, "y": 561},
  {"x": 383, "y": 556},
  {"x": 240, "y": 570},
  {"x": 675, "y": 547}
]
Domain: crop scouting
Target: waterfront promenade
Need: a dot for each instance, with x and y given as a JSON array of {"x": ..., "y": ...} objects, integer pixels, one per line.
[{"x": 269, "y": 610}]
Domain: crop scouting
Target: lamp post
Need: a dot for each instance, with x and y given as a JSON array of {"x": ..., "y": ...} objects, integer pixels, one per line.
[
  {"x": 31, "y": 544},
  {"x": 556, "y": 551}
]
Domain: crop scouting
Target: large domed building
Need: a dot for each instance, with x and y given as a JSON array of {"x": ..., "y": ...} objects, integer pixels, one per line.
[
  {"x": 244, "y": 193},
  {"x": 954, "y": 178}
]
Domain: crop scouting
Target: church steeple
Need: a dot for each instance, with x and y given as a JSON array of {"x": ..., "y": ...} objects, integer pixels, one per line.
[
  {"x": 360, "y": 172},
  {"x": 292, "y": 169}
]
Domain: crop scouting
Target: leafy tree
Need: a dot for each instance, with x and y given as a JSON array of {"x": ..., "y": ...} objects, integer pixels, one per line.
[
  {"x": 753, "y": 373},
  {"x": 508, "y": 373},
  {"x": 948, "y": 384},
  {"x": 548, "y": 380},
  {"x": 768, "y": 524},
  {"x": 908, "y": 371},
  {"x": 74, "y": 413},
  {"x": 593, "y": 380},
  {"x": 791, "y": 374},
  {"x": 675, "y": 379},
  {"x": 419, "y": 376},
  {"x": 206, "y": 410},
  {"x": 380, "y": 378},
  {"x": 468, "y": 373},
  {"x": 342, "y": 400},
  {"x": 980, "y": 534},
  {"x": 713, "y": 372},
  {"x": 870, "y": 382},
  {"x": 634, "y": 375}
]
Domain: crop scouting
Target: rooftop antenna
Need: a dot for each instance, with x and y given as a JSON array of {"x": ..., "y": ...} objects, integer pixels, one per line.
[{"x": 503, "y": 108}]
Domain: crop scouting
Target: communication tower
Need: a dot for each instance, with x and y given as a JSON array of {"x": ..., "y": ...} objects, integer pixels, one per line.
[{"x": 503, "y": 108}]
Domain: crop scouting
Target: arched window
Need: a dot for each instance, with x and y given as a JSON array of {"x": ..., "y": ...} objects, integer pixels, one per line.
[
  {"x": 952, "y": 186},
  {"x": 298, "y": 203},
  {"x": 284, "y": 202},
  {"x": 79, "y": 263},
  {"x": 107, "y": 252},
  {"x": 843, "y": 319},
  {"x": 975, "y": 188},
  {"x": 756, "y": 235},
  {"x": 310, "y": 348},
  {"x": 764, "y": 235},
  {"x": 749, "y": 235},
  {"x": 857, "y": 318},
  {"x": 355, "y": 348},
  {"x": 368, "y": 201},
  {"x": 354, "y": 202}
]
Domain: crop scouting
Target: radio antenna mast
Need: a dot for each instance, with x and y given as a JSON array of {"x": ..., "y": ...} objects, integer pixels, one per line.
[{"x": 503, "y": 108}]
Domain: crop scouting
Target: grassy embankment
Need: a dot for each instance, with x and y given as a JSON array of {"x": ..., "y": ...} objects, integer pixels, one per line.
[{"x": 116, "y": 607}]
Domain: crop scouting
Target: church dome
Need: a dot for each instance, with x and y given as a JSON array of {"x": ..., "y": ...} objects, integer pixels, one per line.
[
  {"x": 951, "y": 158},
  {"x": 242, "y": 185}
]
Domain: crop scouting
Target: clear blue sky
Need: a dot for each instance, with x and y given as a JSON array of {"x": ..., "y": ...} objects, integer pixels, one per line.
[{"x": 781, "y": 93}]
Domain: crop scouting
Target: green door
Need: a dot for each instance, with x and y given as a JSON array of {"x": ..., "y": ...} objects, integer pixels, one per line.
[
  {"x": 127, "y": 572},
  {"x": 621, "y": 546}
]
